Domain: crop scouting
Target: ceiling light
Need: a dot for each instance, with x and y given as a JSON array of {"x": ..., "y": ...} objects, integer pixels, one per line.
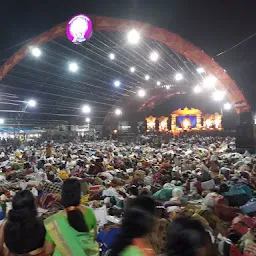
[
  {"x": 158, "y": 83},
  {"x": 154, "y": 56},
  {"x": 147, "y": 77},
  {"x": 178, "y": 77},
  {"x": 1, "y": 121},
  {"x": 87, "y": 119},
  {"x": 118, "y": 112},
  {"x": 210, "y": 81},
  {"x": 218, "y": 95},
  {"x": 32, "y": 103},
  {"x": 227, "y": 106},
  {"x": 112, "y": 56},
  {"x": 142, "y": 93},
  {"x": 133, "y": 36},
  {"x": 200, "y": 70},
  {"x": 117, "y": 83},
  {"x": 73, "y": 67},
  {"x": 197, "y": 89},
  {"x": 132, "y": 69},
  {"x": 86, "y": 109},
  {"x": 36, "y": 52}
]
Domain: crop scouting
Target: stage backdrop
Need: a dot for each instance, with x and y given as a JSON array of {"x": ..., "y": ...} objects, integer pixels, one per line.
[{"x": 179, "y": 120}]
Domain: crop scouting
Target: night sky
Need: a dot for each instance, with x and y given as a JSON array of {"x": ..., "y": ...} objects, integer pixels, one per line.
[{"x": 213, "y": 25}]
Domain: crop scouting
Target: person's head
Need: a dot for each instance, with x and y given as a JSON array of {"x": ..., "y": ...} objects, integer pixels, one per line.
[
  {"x": 188, "y": 237},
  {"x": 27, "y": 165},
  {"x": 159, "y": 210},
  {"x": 224, "y": 188},
  {"x": 70, "y": 199},
  {"x": 22, "y": 219},
  {"x": 137, "y": 223},
  {"x": 145, "y": 203},
  {"x": 133, "y": 191},
  {"x": 23, "y": 206},
  {"x": 145, "y": 192},
  {"x": 234, "y": 237},
  {"x": 43, "y": 162}
]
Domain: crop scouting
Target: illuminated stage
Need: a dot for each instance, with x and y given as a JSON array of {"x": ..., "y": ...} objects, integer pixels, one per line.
[{"x": 185, "y": 119}]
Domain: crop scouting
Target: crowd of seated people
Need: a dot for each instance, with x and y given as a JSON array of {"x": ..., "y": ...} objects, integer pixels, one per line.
[
  {"x": 73, "y": 231},
  {"x": 191, "y": 196}
]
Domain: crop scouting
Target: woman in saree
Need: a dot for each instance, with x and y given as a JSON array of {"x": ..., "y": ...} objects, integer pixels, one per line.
[
  {"x": 188, "y": 237},
  {"x": 137, "y": 224},
  {"x": 72, "y": 231},
  {"x": 158, "y": 236},
  {"x": 23, "y": 233}
]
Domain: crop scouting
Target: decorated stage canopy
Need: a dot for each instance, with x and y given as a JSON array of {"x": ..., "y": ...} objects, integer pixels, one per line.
[{"x": 185, "y": 120}]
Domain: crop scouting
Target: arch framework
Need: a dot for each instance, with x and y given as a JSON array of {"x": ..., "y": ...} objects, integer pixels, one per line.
[{"x": 233, "y": 93}]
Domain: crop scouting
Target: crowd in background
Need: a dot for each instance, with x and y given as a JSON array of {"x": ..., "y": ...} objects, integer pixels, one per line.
[{"x": 187, "y": 196}]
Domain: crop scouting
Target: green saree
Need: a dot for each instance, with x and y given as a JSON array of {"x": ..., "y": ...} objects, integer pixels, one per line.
[{"x": 67, "y": 240}]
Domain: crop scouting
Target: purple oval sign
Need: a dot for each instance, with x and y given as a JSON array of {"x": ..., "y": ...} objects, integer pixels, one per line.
[{"x": 79, "y": 29}]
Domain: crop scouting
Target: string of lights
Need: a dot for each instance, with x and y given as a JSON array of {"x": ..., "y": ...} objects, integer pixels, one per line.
[{"x": 91, "y": 80}]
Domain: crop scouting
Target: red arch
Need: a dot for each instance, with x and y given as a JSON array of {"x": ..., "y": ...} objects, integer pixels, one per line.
[{"x": 234, "y": 94}]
